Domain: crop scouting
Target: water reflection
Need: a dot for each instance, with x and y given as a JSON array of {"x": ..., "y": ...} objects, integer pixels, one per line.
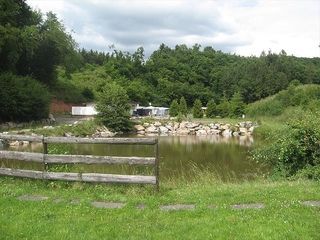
[{"x": 180, "y": 156}]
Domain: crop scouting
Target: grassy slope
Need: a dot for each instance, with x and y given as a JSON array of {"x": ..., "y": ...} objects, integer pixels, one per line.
[{"x": 283, "y": 218}]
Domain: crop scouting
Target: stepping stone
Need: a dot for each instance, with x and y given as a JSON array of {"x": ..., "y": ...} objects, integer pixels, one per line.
[
  {"x": 248, "y": 206},
  {"x": 111, "y": 205},
  {"x": 57, "y": 200},
  {"x": 212, "y": 206},
  {"x": 176, "y": 207},
  {"x": 311, "y": 203},
  {"x": 75, "y": 201},
  {"x": 33, "y": 198},
  {"x": 141, "y": 206}
]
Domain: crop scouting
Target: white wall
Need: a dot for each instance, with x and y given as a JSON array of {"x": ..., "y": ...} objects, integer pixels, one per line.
[{"x": 84, "y": 111}]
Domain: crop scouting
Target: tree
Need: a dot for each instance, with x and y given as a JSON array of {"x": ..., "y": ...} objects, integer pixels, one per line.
[
  {"x": 183, "y": 109},
  {"x": 237, "y": 105},
  {"x": 113, "y": 108},
  {"x": 22, "y": 99},
  {"x": 223, "y": 107},
  {"x": 211, "y": 111},
  {"x": 197, "y": 109},
  {"x": 174, "y": 108}
]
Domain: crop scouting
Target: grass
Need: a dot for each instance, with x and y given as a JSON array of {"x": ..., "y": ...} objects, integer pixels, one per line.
[{"x": 283, "y": 218}]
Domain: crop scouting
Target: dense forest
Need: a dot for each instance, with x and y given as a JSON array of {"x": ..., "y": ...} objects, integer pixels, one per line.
[{"x": 39, "y": 60}]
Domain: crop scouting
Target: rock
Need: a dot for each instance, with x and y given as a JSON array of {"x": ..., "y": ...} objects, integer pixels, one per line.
[
  {"x": 14, "y": 143},
  {"x": 146, "y": 124},
  {"x": 152, "y": 129},
  {"x": 225, "y": 126},
  {"x": 192, "y": 125},
  {"x": 169, "y": 127},
  {"x": 163, "y": 129},
  {"x": 236, "y": 134},
  {"x": 215, "y": 131},
  {"x": 242, "y": 124},
  {"x": 201, "y": 132},
  {"x": 51, "y": 118},
  {"x": 139, "y": 127},
  {"x": 251, "y": 129},
  {"x": 107, "y": 134},
  {"x": 213, "y": 126},
  {"x": 157, "y": 124},
  {"x": 141, "y": 132},
  {"x": 176, "y": 126},
  {"x": 24, "y": 142},
  {"x": 183, "y": 124},
  {"x": 67, "y": 134},
  {"x": 183, "y": 131},
  {"x": 48, "y": 127},
  {"x": 243, "y": 131},
  {"x": 227, "y": 133}
]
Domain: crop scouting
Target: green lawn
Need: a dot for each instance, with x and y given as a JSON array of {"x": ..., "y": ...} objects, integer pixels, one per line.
[{"x": 282, "y": 218}]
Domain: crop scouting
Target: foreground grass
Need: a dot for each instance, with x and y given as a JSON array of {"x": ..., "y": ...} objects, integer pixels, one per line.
[{"x": 283, "y": 217}]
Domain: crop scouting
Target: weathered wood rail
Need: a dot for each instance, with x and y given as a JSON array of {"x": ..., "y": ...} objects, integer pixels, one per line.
[{"x": 46, "y": 158}]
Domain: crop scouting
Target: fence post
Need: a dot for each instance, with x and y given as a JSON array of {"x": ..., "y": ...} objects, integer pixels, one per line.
[
  {"x": 156, "y": 168},
  {"x": 45, "y": 151}
]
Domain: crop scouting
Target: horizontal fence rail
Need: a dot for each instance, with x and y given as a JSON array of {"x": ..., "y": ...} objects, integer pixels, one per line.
[
  {"x": 46, "y": 158},
  {"x": 141, "y": 141}
]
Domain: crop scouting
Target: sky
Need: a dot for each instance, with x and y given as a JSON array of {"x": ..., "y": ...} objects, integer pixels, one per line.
[{"x": 243, "y": 27}]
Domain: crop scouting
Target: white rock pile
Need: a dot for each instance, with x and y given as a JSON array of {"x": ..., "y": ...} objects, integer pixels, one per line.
[{"x": 192, "y": 128}]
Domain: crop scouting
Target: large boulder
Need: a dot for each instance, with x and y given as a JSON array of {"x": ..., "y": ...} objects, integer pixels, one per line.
[
  {"x": 139, "y": 127},
  {"x": 163, "y": 129},
  {"x": 152, "y": 129},
  {"x": 183, "y": 131},
  {"x": 227, "y": 133}
]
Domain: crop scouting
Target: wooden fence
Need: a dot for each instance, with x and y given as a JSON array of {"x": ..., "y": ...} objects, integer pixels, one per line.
[{"x": 46, "y": 158}]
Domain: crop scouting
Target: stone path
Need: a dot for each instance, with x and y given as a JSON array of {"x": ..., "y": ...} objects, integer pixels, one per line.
[{"x": 166, "y": 208}]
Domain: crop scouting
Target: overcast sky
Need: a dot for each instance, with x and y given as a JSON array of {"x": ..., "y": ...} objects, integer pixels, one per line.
[{"x": 245, "y": 27}]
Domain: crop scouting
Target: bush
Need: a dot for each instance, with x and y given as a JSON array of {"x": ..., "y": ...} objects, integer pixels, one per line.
[
  {"x": 197, "y": 109},
  {"x": 174, "y": 108},
  {"x": 295, "y": 148},
  {"x": 22, "y": 99},
  {"x": 114, "y": 108}
]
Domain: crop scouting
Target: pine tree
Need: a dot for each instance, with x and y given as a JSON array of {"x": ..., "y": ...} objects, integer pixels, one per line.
[
  {"x": 223, "y": 107},
  {"x": 197, "y": 109},
  {"x": 237, "y": 105},
  {"x": 183, "y": 109},
  {"x": 174, "y": 108},
  {"x": 211, "y": 111}
]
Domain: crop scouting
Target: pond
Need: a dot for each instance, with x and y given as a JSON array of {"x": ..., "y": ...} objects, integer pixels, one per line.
[{"x": 180, "y": 157}]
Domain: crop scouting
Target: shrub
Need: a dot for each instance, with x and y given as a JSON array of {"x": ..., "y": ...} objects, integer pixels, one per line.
[
  {"x": 197, "y": 109},
  {"x": 295, "y": 148},
  {"x": 174, "y": 108},
  {"x": 22, "y": 98},
  {"x": 114, "y": 108}
]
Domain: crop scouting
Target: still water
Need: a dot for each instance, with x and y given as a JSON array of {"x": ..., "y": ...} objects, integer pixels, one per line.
[{"x": 180, "y": 157}]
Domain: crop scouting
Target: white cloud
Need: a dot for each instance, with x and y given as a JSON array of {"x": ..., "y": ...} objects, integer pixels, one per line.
[{"x": 243, "y": 27}]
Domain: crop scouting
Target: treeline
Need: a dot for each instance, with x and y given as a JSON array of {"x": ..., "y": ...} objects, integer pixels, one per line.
[{"x": 194, "y": 73}]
